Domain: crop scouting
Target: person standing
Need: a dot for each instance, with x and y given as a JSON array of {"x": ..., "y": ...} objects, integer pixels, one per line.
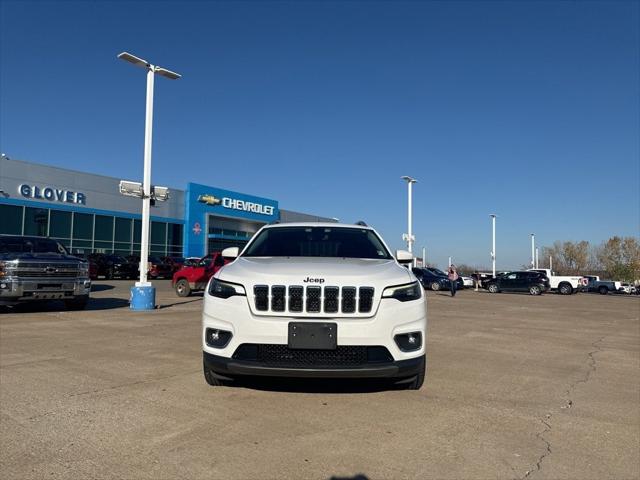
[{"x": 453, "y": 279}]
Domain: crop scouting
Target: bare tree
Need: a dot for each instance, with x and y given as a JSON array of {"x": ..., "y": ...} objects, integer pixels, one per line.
[{"x": 620, "y": 258}]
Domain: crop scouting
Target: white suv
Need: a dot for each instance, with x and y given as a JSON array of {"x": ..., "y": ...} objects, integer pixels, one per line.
[{"x": 315, "y": 300}]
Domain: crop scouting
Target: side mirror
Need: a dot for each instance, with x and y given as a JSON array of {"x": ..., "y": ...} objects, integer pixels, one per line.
[
  {"x": 403, "y": 256},
  {"x": 231, "y": 252}
]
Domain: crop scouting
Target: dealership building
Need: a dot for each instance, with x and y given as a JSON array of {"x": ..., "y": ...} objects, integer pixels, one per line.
[{"x": 87, "y": 213}]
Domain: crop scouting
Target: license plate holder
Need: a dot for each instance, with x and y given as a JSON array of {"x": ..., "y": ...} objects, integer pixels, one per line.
[{"x": 313, "y": 336}]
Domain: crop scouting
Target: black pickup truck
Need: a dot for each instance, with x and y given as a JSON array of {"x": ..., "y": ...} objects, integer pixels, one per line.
[{"x": 39, "y": 269}]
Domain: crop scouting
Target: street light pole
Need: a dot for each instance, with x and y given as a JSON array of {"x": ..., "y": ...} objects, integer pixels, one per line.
[
  {"x": 409, "y": 236},
  {"x": 143, "y": 294},
  {"x": 537, "y": 264},
  {"x": 533, "y": 250},
  {"x": 424, "y": 257},
  {"x": 493, "y": 244}
]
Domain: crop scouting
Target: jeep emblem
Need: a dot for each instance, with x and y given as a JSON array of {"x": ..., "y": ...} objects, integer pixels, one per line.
[{"x": 313, "y": 280}]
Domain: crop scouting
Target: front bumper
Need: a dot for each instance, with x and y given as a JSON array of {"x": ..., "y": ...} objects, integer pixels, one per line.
[
  {"x": 14, "y": 290},
  {"x": 397, "y": 369}
]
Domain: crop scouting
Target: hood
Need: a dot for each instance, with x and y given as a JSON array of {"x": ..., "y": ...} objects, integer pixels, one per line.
[
  {"x": 326, "y": 271},
  {"x": 40, "y": 257},
  {"x": 314, "y": 272}
]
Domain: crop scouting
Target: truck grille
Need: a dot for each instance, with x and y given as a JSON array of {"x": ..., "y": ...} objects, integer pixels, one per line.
[
  {"x": 40, "y": 270},
  {"x": 316, "y": 300},
  {"x": 282, "y": 356}
]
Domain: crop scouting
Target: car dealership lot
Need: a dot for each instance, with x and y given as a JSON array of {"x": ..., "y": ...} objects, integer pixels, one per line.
[{"x": 517, "y": 386}]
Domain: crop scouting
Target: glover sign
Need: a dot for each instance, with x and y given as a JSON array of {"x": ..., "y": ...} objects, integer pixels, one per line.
[{"x": 52, "y": 194}]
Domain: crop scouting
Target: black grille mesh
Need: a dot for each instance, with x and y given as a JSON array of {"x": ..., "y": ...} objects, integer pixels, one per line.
[
  {"x": 295, "y": 299},
  {"x": 277, "y": 298},
  {"x": 331, "y": 299},
  {"x": 261, "y": 293},
  {"x": 348, "y": 299},
  {"x": 313, "y": 299},
  {"x": 366, "y": 299},
  {"x": 282, "y": 356}
]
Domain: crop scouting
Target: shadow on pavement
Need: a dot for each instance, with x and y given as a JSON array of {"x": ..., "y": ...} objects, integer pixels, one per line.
[
  {"x": 167, "y": 305},
  {"x": 101, "y": 287}
]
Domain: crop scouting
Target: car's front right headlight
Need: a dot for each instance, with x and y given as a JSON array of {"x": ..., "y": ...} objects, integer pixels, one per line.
[
  {"x": 404, "y": 293},
  {"x": 221, "y": 289},
  {"x": 83, "y": 268}
]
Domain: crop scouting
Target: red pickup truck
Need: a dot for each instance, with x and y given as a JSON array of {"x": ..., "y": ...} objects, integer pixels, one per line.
[{"x": 194, "y": 278}]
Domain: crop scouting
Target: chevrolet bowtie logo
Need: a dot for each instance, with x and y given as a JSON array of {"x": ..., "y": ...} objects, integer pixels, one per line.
[{"x": 209, "y": 200}]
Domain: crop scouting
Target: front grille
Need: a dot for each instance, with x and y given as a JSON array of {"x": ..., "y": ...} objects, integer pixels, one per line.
[
  {"x": 41, "y": 269},
  {"x": 313, "y": 299},
  {"x": 285, "y": 357}
]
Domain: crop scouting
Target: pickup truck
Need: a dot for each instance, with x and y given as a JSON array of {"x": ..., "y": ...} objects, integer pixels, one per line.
[
  {"x": 564, "y": 285},
  {"x": 34, "y": 269},
  {"x": 603, "y": 286},
  {"x": 195, "y": 277}
]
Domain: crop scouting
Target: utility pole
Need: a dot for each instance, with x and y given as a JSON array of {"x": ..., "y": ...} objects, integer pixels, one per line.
[
  {"x": 409, "y": 237},
  {"x": 533, "y": 250}
]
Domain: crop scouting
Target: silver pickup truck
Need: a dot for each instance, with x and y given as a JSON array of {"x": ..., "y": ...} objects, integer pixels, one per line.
[{"x": 40, "y": 269}]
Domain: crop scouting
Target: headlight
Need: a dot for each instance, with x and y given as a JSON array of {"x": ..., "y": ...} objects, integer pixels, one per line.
[
  {"x": 83, "y": 268},
  {"x": 221, "y": 289},
  {"x": 404, "y": 293}
]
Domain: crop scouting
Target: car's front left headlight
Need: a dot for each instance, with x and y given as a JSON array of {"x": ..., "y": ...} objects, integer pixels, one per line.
[
  {"x": 404, "y": 293},
  {"x": 221, "y": 289}
]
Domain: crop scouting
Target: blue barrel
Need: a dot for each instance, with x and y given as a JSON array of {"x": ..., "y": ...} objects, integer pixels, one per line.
[{"x": 143, "y": 298}]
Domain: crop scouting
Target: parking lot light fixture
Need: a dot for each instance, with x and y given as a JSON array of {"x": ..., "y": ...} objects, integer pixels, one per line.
[
  {"x": 493, "y": 244},
  {"x": 408, "y": 237},
  {"x": 533, "y": 250},
  {"x": 143, "y": 294}
]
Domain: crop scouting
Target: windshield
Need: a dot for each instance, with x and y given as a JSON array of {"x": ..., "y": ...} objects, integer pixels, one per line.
[
  {"x": 29, "y": 245},
  {"x": 334, "y": 242}
]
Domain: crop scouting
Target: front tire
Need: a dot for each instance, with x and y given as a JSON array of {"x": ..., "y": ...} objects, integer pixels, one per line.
[
  {"x": 182, "y": 288},
  {"x": 493, "y": 288},
  {"x": 535, "y": 290},
  {"x": 565, "y": 289},
  {"x": 435, "y": 286},
  {"x": 603, "y": 290}
]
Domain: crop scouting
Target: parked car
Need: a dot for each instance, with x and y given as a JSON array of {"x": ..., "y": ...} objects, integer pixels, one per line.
[
  {"x": 176, "y": 262},
  {"x": 467, "y": 281},
  {"x": 156, "y": 268},
  {"x": 437, "y": 271},
  {"x": 564, "y": 285},
  {"x": 529, "y": 281},
  {"x": 191, "y": 261},
  {"x": 114, "y": 266},
  {"x": 193, "y": 278},
  {"x": 35, "y": 269},
  {"x": 603, "y": 286},
  {"x": 431, "y": 281}
]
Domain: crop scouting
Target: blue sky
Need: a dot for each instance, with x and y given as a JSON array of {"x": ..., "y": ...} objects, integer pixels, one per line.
[{"x": 528, "y": 109}]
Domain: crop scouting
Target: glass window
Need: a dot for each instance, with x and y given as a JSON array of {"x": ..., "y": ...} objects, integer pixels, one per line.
[
  {"x": 36, "y": 221},
  {"x": 317, "y": 242},
  {"x": 174, "y": 234},
  {"x": 158, "y": 233},
  {"x": 59, "y": 224},
  {"x": 102, "y": 247},
  {"x": 82, "y": 226},
  {"x": 123, "y": 247},
  {"x": 123, "y": 230},
  {"x": 137, "y": 231},
  {"x": 104, "y": 228},
  {"x": 11, "y": 216},
  {"x": 82, "y": 246}
]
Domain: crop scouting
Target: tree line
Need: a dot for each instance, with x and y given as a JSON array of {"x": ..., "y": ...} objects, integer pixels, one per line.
[{"x": 617, "y": 259}]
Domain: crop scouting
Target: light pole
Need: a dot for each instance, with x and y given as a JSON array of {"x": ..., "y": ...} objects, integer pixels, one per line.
[
  {"x": 143, "y": 294},
  {"x": 424, "y": 257},
  {"x": 537, "y": 264},
  {"x": 493, "y": 244},
  {"x": 533, "y": 250},
  {"x": 408, "y": 237}
]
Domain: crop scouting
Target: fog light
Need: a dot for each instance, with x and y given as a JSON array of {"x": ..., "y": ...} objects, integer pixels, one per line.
[
  {"x": 3, "y": 285},
  {"x": 217, "y": 338},
  {"x": 408, "y": 342}
]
